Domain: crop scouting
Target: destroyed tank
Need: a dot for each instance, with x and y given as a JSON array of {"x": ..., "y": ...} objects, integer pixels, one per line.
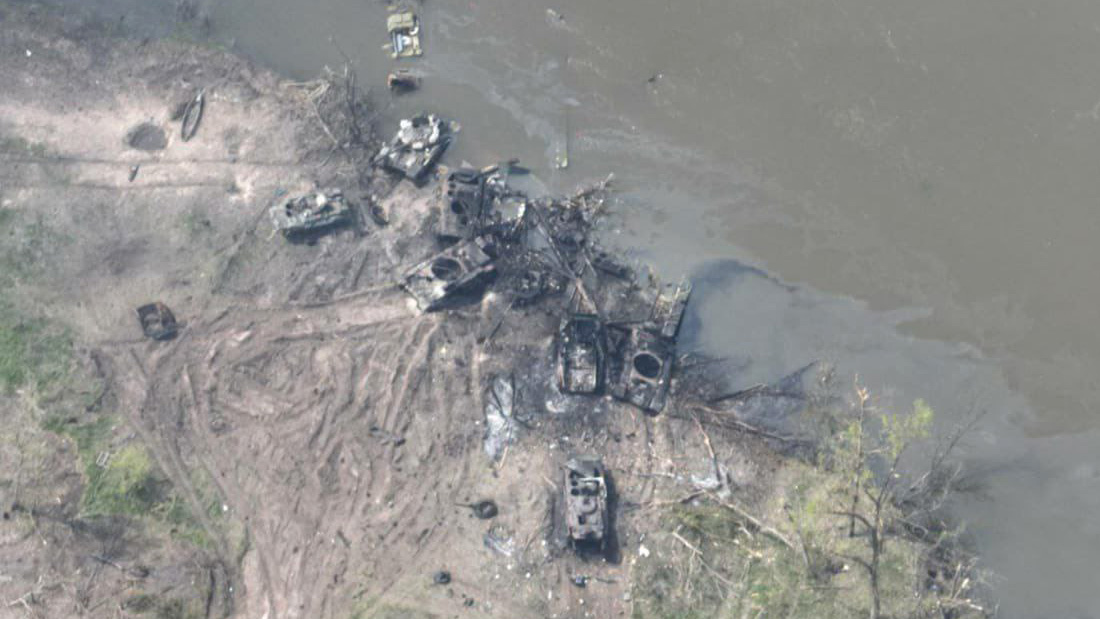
[
  {"x": 417, "y": 146},
  {"x": 463, "y": 268},
  {"x": 581, "y": 352},
  {"x": 643, "y": 368},
  {"x": 586, "y": 502},
  {"x": 645, "y": 353},
  {"x": 311, "y": 212}
]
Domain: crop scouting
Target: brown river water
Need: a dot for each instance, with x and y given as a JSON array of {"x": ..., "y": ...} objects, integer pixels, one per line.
[{"x": 908, "y": 189}]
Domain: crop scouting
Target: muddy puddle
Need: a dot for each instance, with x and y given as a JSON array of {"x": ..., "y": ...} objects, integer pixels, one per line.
[{"x": 902, "y": 188}]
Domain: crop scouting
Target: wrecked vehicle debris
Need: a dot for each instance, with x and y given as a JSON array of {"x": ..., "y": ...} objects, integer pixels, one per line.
[
  {"x": 530, "y": 278},
  {"x": 157, "y": 321},
  {"x": 192, "y": 115},
  {"x": 461, "y": 269},
  {"x": 404, "y": 29},
  {"x": 417, "y": 146},
  {"x": 402, "y": 80},
  {"x": 311, "y": 212},
  {"x": 668, "y": 309},
  {"x": 581, "y": 351},
  {"x": 500, "y": 539},
  {"x": 604, "y": 262},
  {"x": 586, "y": 501}
]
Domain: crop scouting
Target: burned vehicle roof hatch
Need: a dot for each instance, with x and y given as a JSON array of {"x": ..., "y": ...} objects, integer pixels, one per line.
[
  {"x": 307, "y": 213},
  {"x": 582, "y": 350},
  {"x": 417, "y": 146},
  {"x": 460, "y": 269},
  {"x": 157, "y": 321},
  {"x": 586, "y": 501}
]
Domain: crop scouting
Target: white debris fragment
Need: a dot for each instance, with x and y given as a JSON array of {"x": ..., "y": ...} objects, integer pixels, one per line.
[{"x": 643, "y": 551}]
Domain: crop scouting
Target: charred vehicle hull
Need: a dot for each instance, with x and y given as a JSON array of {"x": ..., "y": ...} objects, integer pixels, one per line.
[
  {"x": 311, "y": 213},
  {"x": 582, "y": 350}
]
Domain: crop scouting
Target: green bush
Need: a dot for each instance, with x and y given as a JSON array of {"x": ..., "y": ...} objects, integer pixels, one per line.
[{"x": 126, "y": 485}]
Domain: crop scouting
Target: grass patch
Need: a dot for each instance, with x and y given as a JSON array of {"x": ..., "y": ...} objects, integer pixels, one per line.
[
  {"x": 27, "y": 247},
  {"x": 373, "y": 609},
  {"x": 20, "y": 146},
  {"x": 33, "y": 353},
  {"x": 127, "y": 484}
]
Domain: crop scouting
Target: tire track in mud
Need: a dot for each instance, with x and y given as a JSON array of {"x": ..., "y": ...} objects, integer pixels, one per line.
[
  {"x": 276, "y": 406},
  {"x": 133, "y": 386}
]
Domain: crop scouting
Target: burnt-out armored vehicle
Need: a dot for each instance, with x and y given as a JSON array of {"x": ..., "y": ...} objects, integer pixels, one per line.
[
  {"x": 157, "y": 321},
  {"x": 582, "y": 351},
  {"x": 417, "y": 147},
  {"x": 463, "y": 268},
  {"x": 586, "y": 496},
  {"x": 644, "y": 353},
  {"x": 311, "y": 213},
  {"x": 478, "y": 202}
]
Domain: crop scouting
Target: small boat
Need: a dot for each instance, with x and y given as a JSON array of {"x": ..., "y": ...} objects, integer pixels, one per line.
[{"x": 192, "y": 114}]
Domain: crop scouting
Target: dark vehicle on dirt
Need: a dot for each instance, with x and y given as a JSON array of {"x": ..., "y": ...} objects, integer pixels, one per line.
[
  {"x": 586, "y": 515},
  {"x": 418, "y": 145},
  {"x": 464, "y": 268},
  {"x": 310, "y": 213},
  {"x": 157, "y": 321},
  {"x": 582, "y": 348}
]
